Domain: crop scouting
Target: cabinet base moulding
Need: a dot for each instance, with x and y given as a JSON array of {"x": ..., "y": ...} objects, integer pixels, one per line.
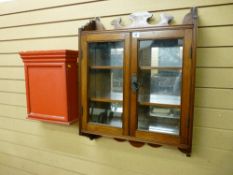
[
  {"x": 136, "y": 142},
  {"x": 51, "y": 119}
]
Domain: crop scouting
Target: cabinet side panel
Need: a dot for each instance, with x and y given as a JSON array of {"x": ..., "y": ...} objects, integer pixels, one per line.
[{"x": 72, "y": 91}]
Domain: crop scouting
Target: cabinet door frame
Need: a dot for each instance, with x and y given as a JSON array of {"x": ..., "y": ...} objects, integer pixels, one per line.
[
  {"x": 186, "y": 35},
  {"x": 95, "y": 128}
]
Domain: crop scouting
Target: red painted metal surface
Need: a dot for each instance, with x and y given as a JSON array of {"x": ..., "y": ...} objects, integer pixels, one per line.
[{"x": 51, "y": 85}]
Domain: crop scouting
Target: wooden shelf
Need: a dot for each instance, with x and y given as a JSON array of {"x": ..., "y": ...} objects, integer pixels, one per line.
[
  {"x": 160, "y": 127},
  {"x": 110, "y": 97},
  {"x": 106, "y": 67},
  {"x": 159, "y": 105},
  {"x": 106, "y": 100},
  {"x": 160, "y": 101},
  {"x": 164, "y": 128},
  {"x": 114, "y": 122},
  {"x": 177, "y": 117},
  {"x": 160, "y": 68}
]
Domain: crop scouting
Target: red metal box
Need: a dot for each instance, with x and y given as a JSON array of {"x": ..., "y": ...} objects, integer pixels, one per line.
[{"x": 51, "y": 85}]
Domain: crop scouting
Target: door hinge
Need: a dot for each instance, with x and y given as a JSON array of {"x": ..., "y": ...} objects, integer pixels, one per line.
[
  {"x": 80, "y": 54},
  {"x": 81, "y": 111},
  {"x": 190, "y": 52},
  {"x": 188, "y": 122}
]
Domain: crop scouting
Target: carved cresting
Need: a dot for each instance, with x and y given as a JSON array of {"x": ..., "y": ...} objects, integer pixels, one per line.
[
  {"x": 94, "y": 24},
  {"x": 191, "y": 17},
  {"x": 140, "y": 19}
]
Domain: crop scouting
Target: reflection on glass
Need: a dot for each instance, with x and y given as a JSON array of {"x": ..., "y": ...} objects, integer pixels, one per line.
[
  {"x": 173, "y": 113},
  {"x": 160, "y": 86},
  {"x": 162, "y": 120},
  {"x": 106, "y": 53},
  {"x": 159, "y": 78},
  {"x": 161, "y": 53},
  {"x": 106, "y": 84},
  {"x": 106, "y": 113}
]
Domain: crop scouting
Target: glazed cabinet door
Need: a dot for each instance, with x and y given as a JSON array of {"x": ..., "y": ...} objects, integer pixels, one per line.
[
  {"x": 160, "y": 86},
  {"x": 104, "y": 83}
]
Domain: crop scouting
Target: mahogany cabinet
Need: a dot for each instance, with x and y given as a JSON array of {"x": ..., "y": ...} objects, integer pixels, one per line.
[
  {"x": 51, "y": 85},
  {"x": 138, "y": 84}
]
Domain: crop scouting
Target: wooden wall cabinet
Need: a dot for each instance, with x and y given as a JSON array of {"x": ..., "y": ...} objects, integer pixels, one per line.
[
  {"x": 51, "y": 85},
  {"x": 138, "y": 84}
]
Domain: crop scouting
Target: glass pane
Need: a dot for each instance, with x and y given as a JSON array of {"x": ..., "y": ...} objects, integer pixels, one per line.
[
  {"x": 160, "y": 86},
  {"x": 156, "y": 119},
  {"x": 106, "y": 113},
  {"x": 159, "y": 78},
  {"x": 161, "y": 53},
  {"x": 106, "y": 53},
  {"x": 106, "y": 84}
]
